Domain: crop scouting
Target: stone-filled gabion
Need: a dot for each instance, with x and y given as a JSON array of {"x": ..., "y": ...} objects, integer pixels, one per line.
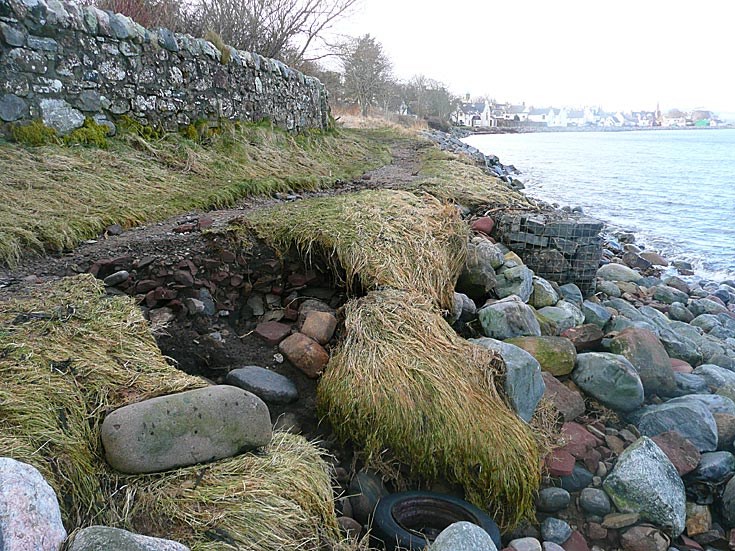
[
  {"x": 61, "y": 62},
  {"x": 557, "y": 245}
]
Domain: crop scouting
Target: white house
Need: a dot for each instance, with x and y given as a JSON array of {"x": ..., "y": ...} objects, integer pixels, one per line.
[
  {"x": 516, "y": 113},
  {"x": 576, "y": 117},
  {"x": 542, "y": 115},
  {"x": 474, "y": 114},
  {"x": 558, "y": 118}
]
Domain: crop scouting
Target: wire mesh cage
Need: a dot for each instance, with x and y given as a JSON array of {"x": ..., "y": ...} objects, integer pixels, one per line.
[{"x": 557, "y": 245}]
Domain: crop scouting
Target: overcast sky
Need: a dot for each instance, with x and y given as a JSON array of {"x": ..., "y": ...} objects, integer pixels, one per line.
[{"x": 621, "y": 54}]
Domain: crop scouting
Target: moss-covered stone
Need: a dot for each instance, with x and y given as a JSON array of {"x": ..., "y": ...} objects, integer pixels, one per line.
[{"x": 555, "y": 354}]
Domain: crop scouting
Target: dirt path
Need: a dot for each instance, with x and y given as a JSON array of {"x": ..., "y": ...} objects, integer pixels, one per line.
[{"x": 166, "y": 238}]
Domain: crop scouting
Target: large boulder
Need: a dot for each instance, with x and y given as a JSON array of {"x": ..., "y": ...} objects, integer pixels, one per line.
[
  {"x": 669, "y": 295},
  {"x": 543, "y": 293},
  {"x": 104, "y": 538},
  {"x": 30, "y": 518},
  {"x": 478, "y": 276},
  {"x": 184, "y": 429},
  {"x": 595, "y": 313},
  {"x": 517, "y": 280},
  {"x": 690, "y": 418},
  {"x": 715, "y": 376},
  {"x": 609, "y": 378},
  {"x": 618, "y": 272},
  {"x": 560, "y": 318},
  {"x": 507, "y": 318},
  {"x": 556, "y": 355},
  {"x": 523, "y": 385},
  {"x": 571, "y": 293},
  {"x": 679, "y": 346},
  {"x": 644, "y": 481},
  {"x": 463, "y": 536},
  {"x": 646, "y": 353}
]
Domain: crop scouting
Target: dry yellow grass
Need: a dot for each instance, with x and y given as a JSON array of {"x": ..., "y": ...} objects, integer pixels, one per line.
[
  {"x": 403, "y": 381},
  {"x": 456, "y": 179},
  {"x": 375, "y": 238},
  {"x": 53, "y": 197}
]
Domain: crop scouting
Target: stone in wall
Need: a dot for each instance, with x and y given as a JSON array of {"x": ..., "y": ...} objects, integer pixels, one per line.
[{"x": 61, "y": 62}]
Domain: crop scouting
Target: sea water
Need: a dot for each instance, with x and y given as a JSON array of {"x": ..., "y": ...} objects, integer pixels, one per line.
[{"x": 675, "y": 189}]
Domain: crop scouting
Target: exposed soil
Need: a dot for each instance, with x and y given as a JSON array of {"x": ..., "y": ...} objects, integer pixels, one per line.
[{"x": 160, "y": 238}]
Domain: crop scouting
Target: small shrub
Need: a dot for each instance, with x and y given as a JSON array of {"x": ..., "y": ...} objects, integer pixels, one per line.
[
  {"x": 145, "y": 131},
  {"x": 436, "y": 123},
  {"x": 190, "y": 133},
  {"x": 89, "y": 134},
  {"x": 34, "y": 134}
]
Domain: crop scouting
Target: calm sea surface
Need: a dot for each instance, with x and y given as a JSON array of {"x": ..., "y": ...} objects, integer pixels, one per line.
[{"x": 674, "y": 188}]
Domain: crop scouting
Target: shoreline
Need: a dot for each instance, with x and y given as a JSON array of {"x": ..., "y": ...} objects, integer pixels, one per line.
[
  {"x": 646, "y": 241},
  {"x": 542, "y": 129}
]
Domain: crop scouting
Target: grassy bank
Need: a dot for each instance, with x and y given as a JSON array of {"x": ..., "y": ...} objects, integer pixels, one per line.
[{"x": 52, "y": 197}]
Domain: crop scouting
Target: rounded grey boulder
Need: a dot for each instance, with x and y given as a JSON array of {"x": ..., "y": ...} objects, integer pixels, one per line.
[
  {"x": 507, "y": 318},
  {"x": 609, "y": 378},
  {"x": 463, "y": 536},
  {"x": 184, "y": 429},
  {"x": 686, "y": 416},
  {"x": 264, "y": 383},
  {"x": 524, "y": 384},
  {"x": 29, "y": 511},
  {"x": 103, "y": 538}
]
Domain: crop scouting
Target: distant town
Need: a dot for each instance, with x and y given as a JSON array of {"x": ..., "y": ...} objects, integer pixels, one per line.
[{"x": 485, "y": 113}]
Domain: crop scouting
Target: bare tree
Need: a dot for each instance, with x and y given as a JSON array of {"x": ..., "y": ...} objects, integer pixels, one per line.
[
  {"x": 170, "y": 14},
  {"x": 287, "y": 29},
  {"x": 366, "y": 70}
]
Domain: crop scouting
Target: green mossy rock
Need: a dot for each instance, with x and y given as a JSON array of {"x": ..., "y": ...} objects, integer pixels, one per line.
[{"x": 556, "y": 355}]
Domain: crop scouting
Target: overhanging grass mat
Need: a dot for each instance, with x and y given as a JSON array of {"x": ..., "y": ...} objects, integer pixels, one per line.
[
  {"x": 378, "y": 238},
  {"x": 402, "y": 380}
]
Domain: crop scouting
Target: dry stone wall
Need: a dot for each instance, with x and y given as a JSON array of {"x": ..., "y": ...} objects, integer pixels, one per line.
[{"x": 61, "y": 63}]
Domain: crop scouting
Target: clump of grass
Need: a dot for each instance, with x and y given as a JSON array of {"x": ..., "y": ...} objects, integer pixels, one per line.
[
  {"x": 377, "y": 238},
  {"x": 51, "y": 197},
  {"x": 281, "y": 500},
  {"x": 34, "y": 134},
  {"x": 90, "y": 134},
  {"x": 129, "y": 125},
  {"x": 68, "y": 355},
  {"x": 403, "y": 381},
  {"x": 455, "y": 179},
  {"x": 216, "y": 39}
]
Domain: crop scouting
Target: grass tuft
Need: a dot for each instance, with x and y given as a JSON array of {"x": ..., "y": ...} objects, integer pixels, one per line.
[
  {"x": 403, "y": 381},
  {"x": 455, "y": 179},
  {"x": 376, "y": 238},
  {"x": 52, "y": 198}
]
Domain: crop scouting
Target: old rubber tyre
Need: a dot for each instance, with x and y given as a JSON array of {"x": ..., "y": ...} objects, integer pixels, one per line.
[{"x": 411, "y": 520}]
